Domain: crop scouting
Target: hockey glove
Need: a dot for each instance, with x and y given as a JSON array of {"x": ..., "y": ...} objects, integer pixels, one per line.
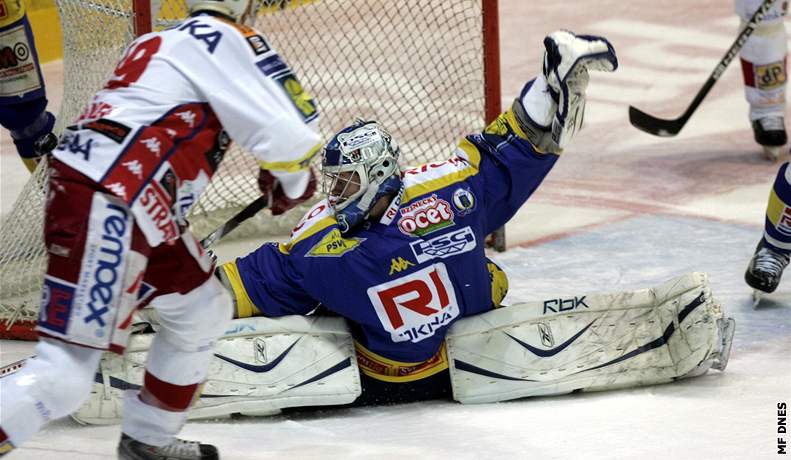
[
  {"x": 279, "y": 201},
  {"x": 567, "y": 59}
]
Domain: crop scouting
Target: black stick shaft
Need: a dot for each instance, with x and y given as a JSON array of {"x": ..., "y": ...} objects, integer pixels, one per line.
[
  {"x": 249, "y": 211},
  {"x": 662, "y": 127}
]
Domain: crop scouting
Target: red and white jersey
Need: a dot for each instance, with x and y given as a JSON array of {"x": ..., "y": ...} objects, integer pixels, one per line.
[{"x": 155, "y": 134}]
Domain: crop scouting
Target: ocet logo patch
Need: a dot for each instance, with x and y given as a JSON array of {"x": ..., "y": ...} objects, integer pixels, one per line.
[
  {"x": 413, "y": 307},
  {"x": 443, "y": 246},
  {"x": 425, "y": 216},
  {"x": 334, "y": 245},
  {"x": 399, "y": 264}
]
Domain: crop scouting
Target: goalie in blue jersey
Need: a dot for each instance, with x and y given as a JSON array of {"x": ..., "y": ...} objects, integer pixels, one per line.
[{"x": 384, "y": 292}]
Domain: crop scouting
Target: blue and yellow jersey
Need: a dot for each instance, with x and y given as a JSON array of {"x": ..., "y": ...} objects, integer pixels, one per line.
[{"x": 402, "y": 280}]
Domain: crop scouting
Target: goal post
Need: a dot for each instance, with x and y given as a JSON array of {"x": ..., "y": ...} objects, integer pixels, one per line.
[{"x": 428, "y": 70}]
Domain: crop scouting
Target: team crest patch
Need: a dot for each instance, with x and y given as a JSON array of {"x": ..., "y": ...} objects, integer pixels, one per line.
[
  {"x": 463, "y": 201},
  {"x": 302, "y": 100},
  {"x": 57, "y": 299},
  {"x": 258, "y": 44},
  {"x": 334, "y": 245},
  {"x": 770, "y": 76},
  {"x": 425, "y": 216}
]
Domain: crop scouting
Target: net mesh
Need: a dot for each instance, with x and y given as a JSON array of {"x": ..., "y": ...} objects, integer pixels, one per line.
[{"x": 417, "y": 67}]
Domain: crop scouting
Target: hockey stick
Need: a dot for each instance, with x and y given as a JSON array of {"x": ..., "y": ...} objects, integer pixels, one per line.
[
  {"x": 9, "y": 369},
  {"x": 669, "y": 128},
  {"x": 249, "y": 211}
]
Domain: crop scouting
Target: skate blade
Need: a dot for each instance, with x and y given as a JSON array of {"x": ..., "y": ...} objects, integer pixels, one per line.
[
  {"x": 726, "y": 328},
  {"x": 772, "y": 153},
  {"x": 757, "y": 296}
]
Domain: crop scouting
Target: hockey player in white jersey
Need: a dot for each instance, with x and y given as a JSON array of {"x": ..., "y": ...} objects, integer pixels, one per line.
[
  {"x": 122, "y": 179},
  {"x": 410, "y": 308},
  {"x": 764, "y": 70}
]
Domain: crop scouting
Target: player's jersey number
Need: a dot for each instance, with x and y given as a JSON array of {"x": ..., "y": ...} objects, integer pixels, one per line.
[{"x": 134, "y": 63}]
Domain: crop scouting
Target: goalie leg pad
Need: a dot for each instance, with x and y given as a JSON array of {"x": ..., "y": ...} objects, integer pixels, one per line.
[
  {"x": 592, "y": 342},
  {"x": 260, "y": 365}
]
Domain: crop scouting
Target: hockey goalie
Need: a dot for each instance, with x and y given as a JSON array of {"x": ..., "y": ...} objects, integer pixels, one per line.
[{"x": 384, "y": 294}]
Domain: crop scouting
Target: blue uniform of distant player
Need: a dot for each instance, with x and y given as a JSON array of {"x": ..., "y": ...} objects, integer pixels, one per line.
[{"x": 402, "y": 279}]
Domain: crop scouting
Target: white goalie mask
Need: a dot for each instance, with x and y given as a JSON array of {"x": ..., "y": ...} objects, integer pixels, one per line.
[
  {"x": 231, "y": 8},
  {"x": 360, "y": 165}
]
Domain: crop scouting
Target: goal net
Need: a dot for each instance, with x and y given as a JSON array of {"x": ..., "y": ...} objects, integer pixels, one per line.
[{"x": 427, "y": 69}]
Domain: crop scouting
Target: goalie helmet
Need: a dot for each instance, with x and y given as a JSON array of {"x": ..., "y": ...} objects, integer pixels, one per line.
[
  {"x": 230, "y": 8},
  {"x": 359, "y": 166}
]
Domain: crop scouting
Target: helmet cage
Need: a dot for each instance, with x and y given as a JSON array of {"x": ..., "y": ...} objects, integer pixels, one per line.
[{"x": 362, "y": 155}]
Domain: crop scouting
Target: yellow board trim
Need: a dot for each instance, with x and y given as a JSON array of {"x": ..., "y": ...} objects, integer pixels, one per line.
[
  {"x": 45, "y": 24},
  {"x": 396, "y": 371},
  {"x": 244, "y": 306}
]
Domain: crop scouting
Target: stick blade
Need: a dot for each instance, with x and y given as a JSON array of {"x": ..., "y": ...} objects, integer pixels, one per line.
[{"x": 653, "y": 125}]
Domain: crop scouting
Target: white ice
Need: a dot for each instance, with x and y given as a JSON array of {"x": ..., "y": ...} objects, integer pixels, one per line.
[{"x": 622, "y": 210}]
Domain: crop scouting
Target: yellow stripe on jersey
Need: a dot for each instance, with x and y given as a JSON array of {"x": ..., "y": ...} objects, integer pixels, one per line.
[
  {"x": 388, "y": 370},
  {"x": 471, "y": 152},
  {"x": 320, "y": 225},
  {"x": 775, "y": 208},
  {"x": 298, "y": 164},
  {"x": 244, "y": 306}
]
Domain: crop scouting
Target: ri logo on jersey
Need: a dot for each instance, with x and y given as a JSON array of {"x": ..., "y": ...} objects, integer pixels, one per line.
[{"x": 413, "y": 307}]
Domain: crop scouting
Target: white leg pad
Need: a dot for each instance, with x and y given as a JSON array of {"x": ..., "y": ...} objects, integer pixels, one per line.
[
  {"x": 261, "y": 365},
  {"x": 588, "y": 343}
]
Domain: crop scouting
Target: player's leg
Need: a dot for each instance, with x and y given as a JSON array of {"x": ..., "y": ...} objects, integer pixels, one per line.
[
  {"x": 23, "y": 99},
  {"x": 51, "y": 385},
  {"x": 589, "y": 342},
  {"x": 193, "y": 311},
  {"x": 87, "y": 283},
  {"x": 763, "y": 59},
  {"x": 773, "y": 251}
]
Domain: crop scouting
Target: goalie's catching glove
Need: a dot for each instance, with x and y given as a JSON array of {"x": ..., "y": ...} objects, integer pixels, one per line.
[
  {"x": 567, "y": 59},
  {"x": 279, "y": 202}
]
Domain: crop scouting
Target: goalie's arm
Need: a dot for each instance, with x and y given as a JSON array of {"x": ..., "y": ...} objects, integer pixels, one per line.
[
  {"x": 264, "y": 283},
  {"x": 511, "y": 160}
]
